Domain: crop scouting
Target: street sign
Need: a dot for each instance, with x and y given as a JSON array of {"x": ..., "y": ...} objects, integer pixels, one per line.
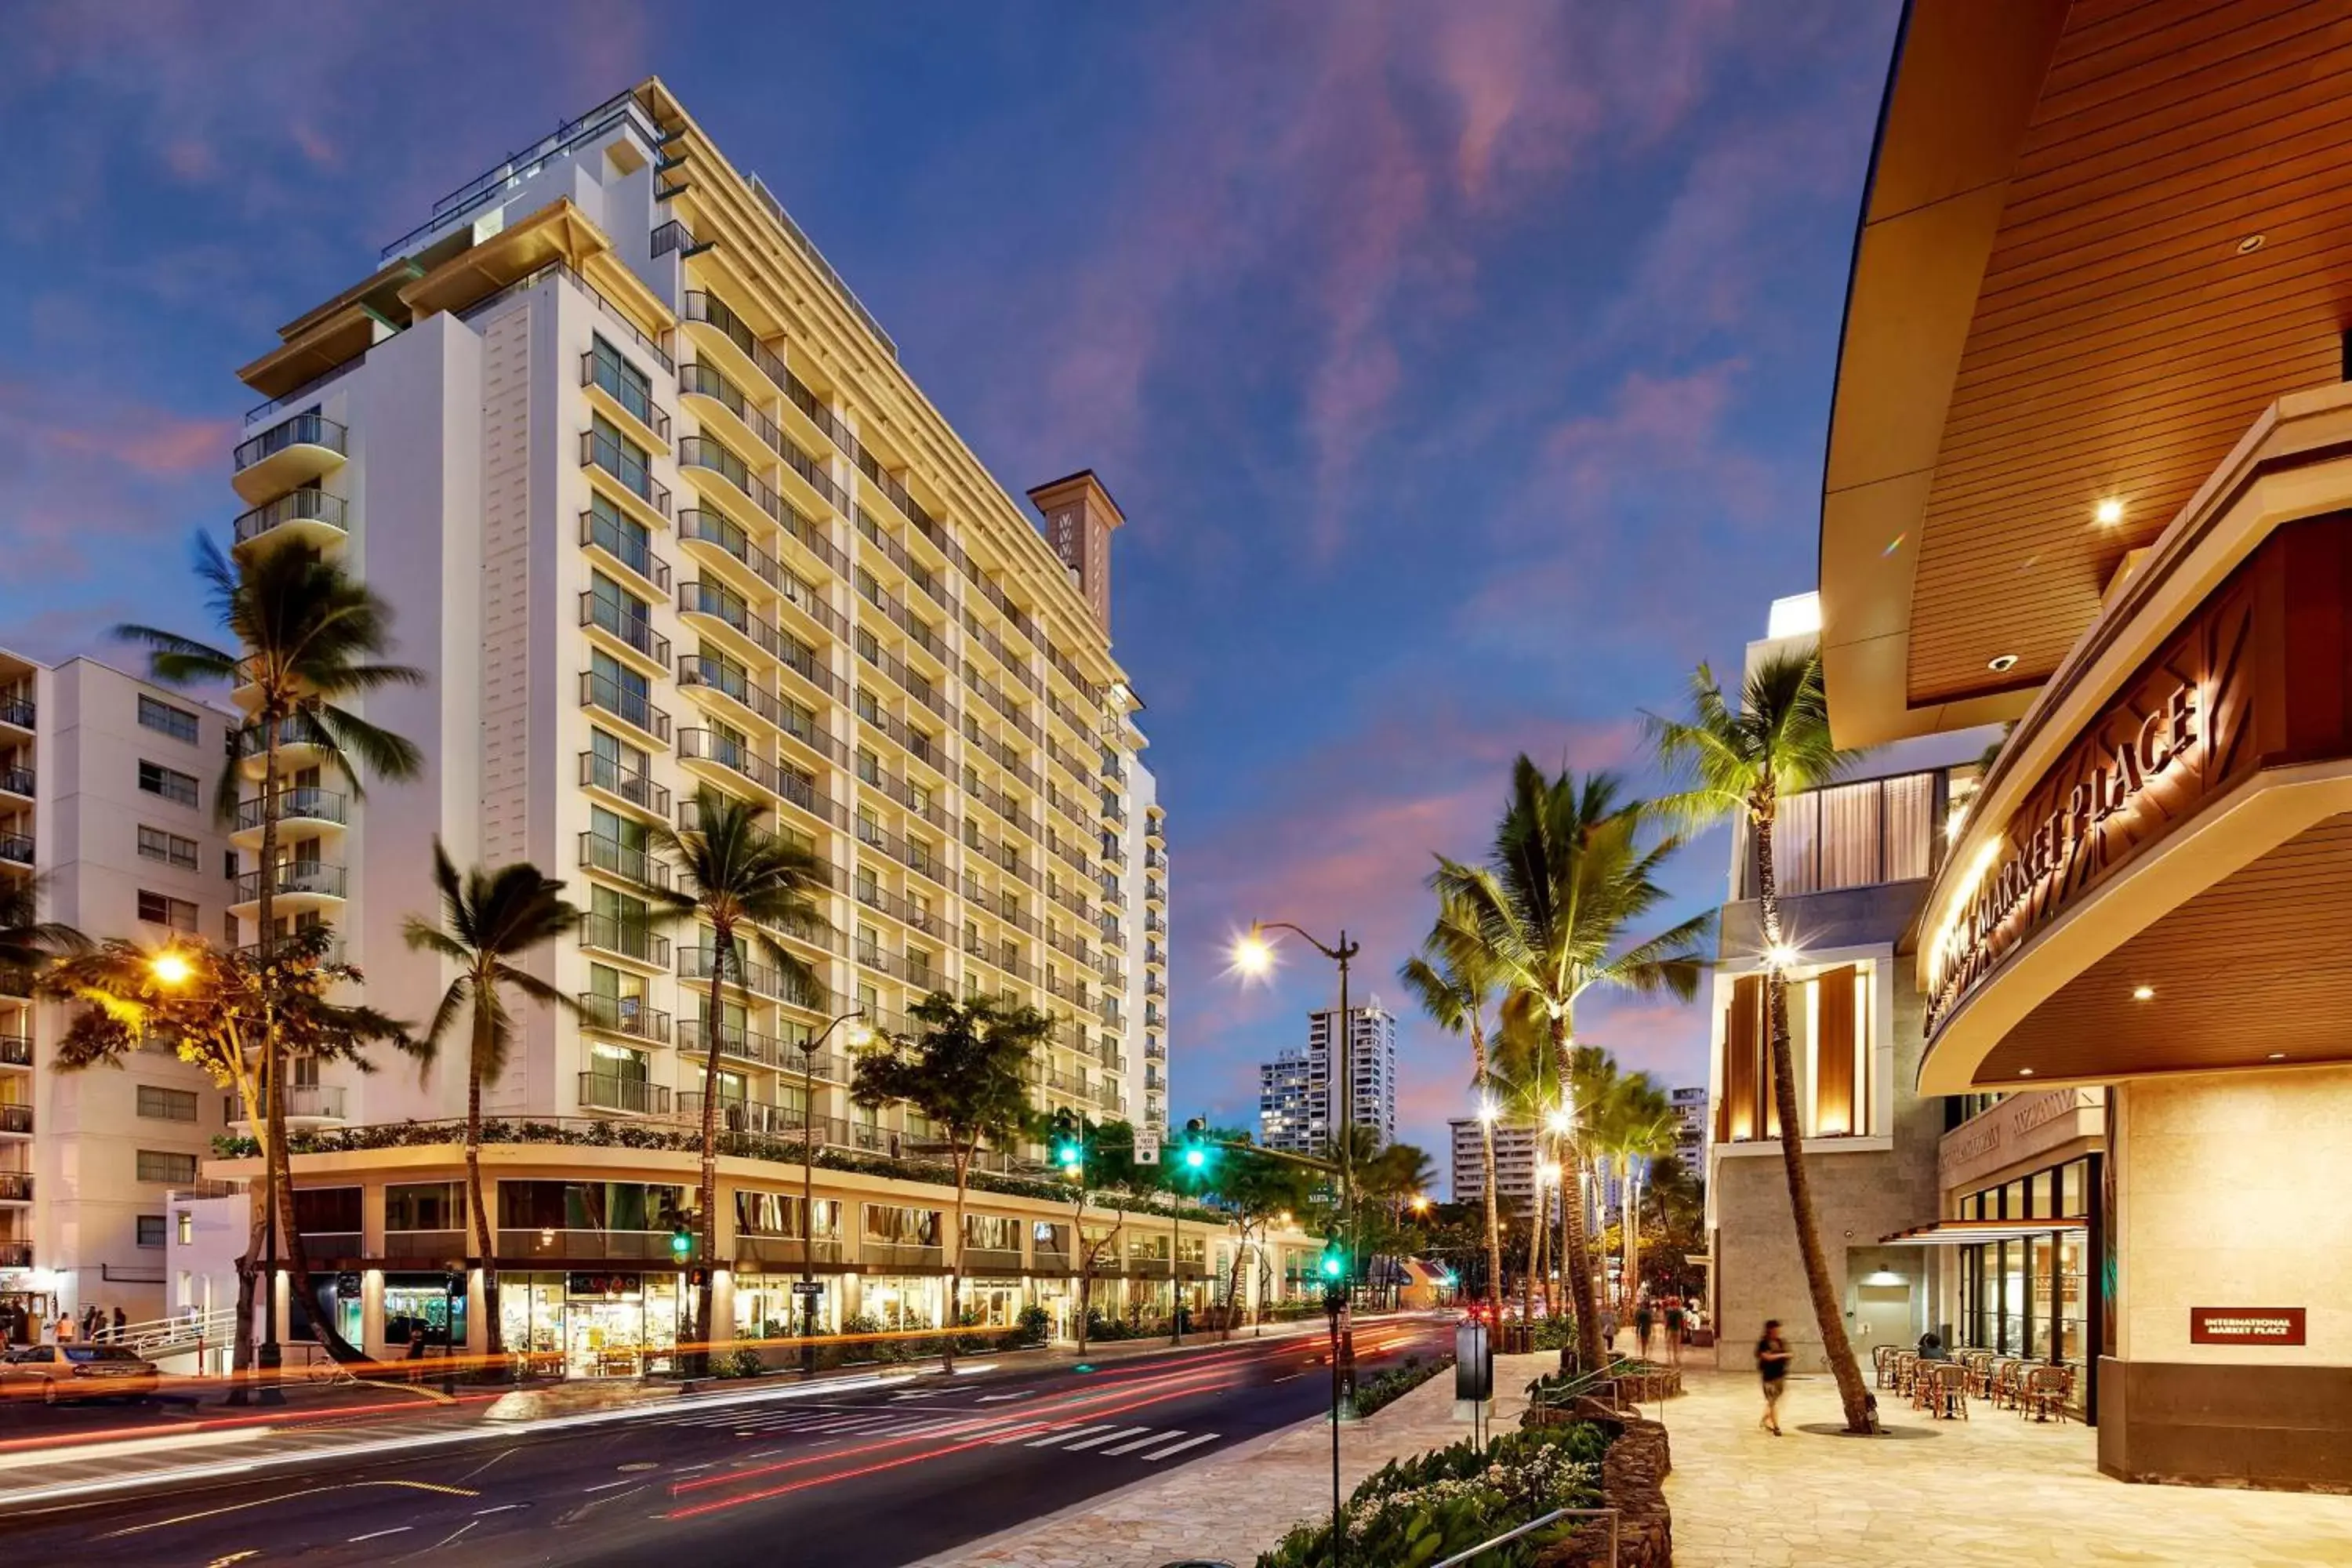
[
  {"x": 1147, "y": 1146},
  {"x": 807, "y": 1288}
]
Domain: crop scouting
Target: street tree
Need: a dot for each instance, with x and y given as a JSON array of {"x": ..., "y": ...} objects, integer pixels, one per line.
[{"x": 1456, "y": 983}]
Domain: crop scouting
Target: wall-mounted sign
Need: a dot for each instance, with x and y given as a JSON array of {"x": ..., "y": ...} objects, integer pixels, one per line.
[
  {"x": 623, "y": 1287},
  {"x": 2245, "y": 1325}
]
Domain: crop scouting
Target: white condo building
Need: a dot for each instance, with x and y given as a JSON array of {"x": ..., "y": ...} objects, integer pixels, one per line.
[
  {"x": 1515, "y": 1165},
  {"x": 656, "y": 507},
  {"x": 1295, "y": 1101},
  {"x": 107, "y": 805}
]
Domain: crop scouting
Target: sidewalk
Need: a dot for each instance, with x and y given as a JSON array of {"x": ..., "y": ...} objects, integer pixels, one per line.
[
  {"x": 1991, "y": 1491},
  {"x": 1240, "y": 1501}
]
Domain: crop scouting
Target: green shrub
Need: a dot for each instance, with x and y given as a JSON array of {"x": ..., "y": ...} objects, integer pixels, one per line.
[
  {"x": 1037, "y": 1327},
  {"x": 1395, "y": 1384},
  {"x": 743, "y": 1361},
  {"x": 1447, "y": 1500}
]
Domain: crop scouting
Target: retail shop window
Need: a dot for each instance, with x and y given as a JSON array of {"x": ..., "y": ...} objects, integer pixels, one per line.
[{"x": 151, "y": 1229}]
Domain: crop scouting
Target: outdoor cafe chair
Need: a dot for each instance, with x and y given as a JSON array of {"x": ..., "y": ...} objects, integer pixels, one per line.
[
  {"x": 2046, "y": 1392},
  {"x": 1882, "y": 1364},
  {"x": 1951, "y": 1389}
]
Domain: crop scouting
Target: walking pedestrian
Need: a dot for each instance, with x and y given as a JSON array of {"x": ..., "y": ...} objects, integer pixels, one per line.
[
  {"x": 122, "y": 1325},
  {"x": 1772, "y": 1358},
  {"x": 1674, "y": 1330},
  {"x": 65, "y": 1328},
  {"x": 1641, "y": 1325}
]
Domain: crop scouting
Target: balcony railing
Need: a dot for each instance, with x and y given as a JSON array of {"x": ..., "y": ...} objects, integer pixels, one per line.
[
  {"x": 635, "y": 1246},
  {"x": 297, "y": 505},
  {"x": 610, "y": 854},
  {"x": 16, "y": 710},
  {"x": 15, "y": 1119},
  {"x": 735, "y": 1040},
  {"x": 602, "y": 371},
  {"x": 633, "y": 475},
  {"x": 626, "y": 1016},
  {"x": 16, "y": 1255},
  {"x": 303, "y": 430},
  {"x": 319, "y": 1101},
  {"x": 16, "y": 1050},
  {"x": 17, "y": 781},
  {"x": 298, "y": 730},
  {"x": 303, "y": 803},
  {"x": 760, "y": 979},
  {"x": 614, "y": 618},
  {"x": 626, "y": 938},
  {"x": 626, "y": 783},
  {"x": 625, "y": 548},
  {"x": 632, "y": 708},
  {"x": 295, "y": 877},
  {"x": 607, "y": 1091}
]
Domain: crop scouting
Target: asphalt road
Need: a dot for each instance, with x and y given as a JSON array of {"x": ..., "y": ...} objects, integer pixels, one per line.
[{"x": 864, "y": 1479}]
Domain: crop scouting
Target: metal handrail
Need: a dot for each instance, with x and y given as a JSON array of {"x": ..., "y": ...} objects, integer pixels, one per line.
[{"x": 1554, "y": 1517}]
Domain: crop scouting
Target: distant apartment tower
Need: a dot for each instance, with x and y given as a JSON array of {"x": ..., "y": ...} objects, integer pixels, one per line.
[
  {"x": 1690, "y": 1138},
  {"x": 107, "y": 800},
  {"x": 657, "y": 507},
  {"x": 1371, "y": 1063},
  {"x": 1286, "y": 1116},
  {"x": 1515, "y": 1164}
]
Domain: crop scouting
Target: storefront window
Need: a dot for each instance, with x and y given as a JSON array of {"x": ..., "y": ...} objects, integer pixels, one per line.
[
  {"x": 767, "y": 1308},
  {"x": 424, "y": 1206},
  {"x": 421, "y": 1300},
  {"x": 900, "y": 1303}
]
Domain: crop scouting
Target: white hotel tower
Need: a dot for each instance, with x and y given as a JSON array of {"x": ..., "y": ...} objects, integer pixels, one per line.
[{"x": 656, "y": 505}]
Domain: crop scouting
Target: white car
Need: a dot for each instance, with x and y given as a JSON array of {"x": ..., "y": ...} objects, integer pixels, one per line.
[{"x": 70, "y": 1372}]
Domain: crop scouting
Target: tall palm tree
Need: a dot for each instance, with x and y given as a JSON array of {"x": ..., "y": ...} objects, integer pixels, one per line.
[
  {"x": 1456, "y": 985},
  {"x": 491, "y": 918},
  {"x": 1638, "y": 1124},
  {"x": 1522, "y": 1080},
  {"x": 306, "y": 638},
  {"x": 1572, "y": 867},
  {"x": 1740, "y": 765},
  {"x": 745, "y": 882},
  {"x": 27, "y": 943}
]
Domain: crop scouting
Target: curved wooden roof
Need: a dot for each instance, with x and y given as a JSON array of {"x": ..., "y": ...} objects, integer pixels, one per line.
[{"x": 2100, "y": 238}]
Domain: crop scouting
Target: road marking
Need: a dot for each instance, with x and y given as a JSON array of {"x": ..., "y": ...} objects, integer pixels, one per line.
[
  {"x": 287, "y": 1497},
  {"x": 234, "y": 1557},
  {"x": 1053, "y": 1437},
  {"x": 603, "y": 1487},
  {"x": 638, "y": 1465},
  {"x": 1105, "y": 1437},
  {"x": 1146, "y": 1442},
  {"x": 1292, "y": 1377},
  {"x": 486, "y": 1463},
  {"x": 999, "y": 1398},
  {"x": 1157, "y": 1453},
  {"x": 689, "y": 1469},
  {"x": 378, "y": 1534},
  {"x": 452, "y": 1535},
  {"x": 502, "y": 1508}
]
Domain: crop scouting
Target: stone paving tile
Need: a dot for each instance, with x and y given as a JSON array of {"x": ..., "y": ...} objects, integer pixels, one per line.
[{"x": 1994, "y": 1491}]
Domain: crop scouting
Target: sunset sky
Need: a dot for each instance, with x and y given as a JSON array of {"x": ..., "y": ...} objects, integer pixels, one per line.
[{"x": 1461, "y": 368}]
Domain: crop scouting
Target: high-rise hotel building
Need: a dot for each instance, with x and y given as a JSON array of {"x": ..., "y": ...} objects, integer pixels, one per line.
[{"x": 657, "y": 507}]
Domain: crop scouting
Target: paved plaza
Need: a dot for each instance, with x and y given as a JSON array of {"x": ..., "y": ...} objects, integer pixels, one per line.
[{"x": 1993, "y": 1492}]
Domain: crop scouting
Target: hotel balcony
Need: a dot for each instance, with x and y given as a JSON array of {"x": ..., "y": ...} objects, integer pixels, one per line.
[
  {"x": 17, "y": 781},
  {"x": 16, "y": 1050},
  {"x": 297, "y": 886},
  {"x": 16, "y": 851},
  {"x": 631, "y": 637},
  {"x": 300, "y": 744},
  {"x": 16, "y": 712},
  {"x": 625, "y": 786},
  {"x": 606, "y": 1092},
  {"x": 288, "y": 456},
  {"x": 633, "y": 708},
  {"x": 624, "y": 862},
  {"x": 622, "y": 400},
  {"x": 625, "y": 1016},
  {"x": 309, "y": 515},
  {"x": 624, "y": 939},
  {"x": 15, "y": 1121},
  {"x": 307, "y": 809},
  {"x": 15, "y": 1186},
  {"x": 16, "y": 1255},
  {"x": 697, "y": 963},
  {"x": 624, "y": 551},
  {"x": 632, "y": 480},
  {"x": 309, "y": 1107},
  {"x": 1155, "y": 860}
]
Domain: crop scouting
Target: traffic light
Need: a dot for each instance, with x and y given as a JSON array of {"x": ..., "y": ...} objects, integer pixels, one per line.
[
  {"x": 1196, "y": 1145},
  {"x": 1335, "y": 1256},
  {"x": 681, "y": 1243},
  {"x": 696, "y": 1278},
  {"x": 1069, "y": 1144}
]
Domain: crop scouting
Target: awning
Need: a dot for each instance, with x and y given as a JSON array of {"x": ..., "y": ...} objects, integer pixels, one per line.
[{"x": 1969, "y": 1232}]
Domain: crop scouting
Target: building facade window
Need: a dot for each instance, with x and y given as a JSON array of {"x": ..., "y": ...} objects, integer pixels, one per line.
[
  {"x": 170, "y": 783},
  {"x": 162, "y": 1165},
  {"x": 160, "y": 1104},
  {"x": 170, "y": 848},
  {"x": 165, "y": 720},
  {"x": 1852, "y": 834},
  {"x": 1834, "y": 1028},
  {"x": 151, "y": 1230},
  {"x": 156, "y": 908},
  {"x": 629, "y": 385}
]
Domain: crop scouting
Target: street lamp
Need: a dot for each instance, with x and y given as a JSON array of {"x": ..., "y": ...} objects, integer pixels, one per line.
[
  {"x": 1253, "y": 956},
  {"x": 171, "y": 968},
  {"x": 859, "y": 1035}
]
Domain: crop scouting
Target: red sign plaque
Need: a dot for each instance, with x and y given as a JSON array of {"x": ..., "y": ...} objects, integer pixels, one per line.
[{"x": 2245, "y": 1325}]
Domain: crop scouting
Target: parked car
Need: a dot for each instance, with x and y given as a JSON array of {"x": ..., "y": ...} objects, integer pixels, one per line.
[{"x": 63, "y": 1372}]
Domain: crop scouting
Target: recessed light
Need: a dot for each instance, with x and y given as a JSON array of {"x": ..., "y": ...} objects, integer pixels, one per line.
[
  {"x": 2001, "y": 662},
  {"x": 2278, "y": 1055},
  {"x": 2249, "y": 244},
  {"x": 2108, "y": 512},
  {"x": 2143, "y": 992},
  {"x": 2025, "y": 1072}
]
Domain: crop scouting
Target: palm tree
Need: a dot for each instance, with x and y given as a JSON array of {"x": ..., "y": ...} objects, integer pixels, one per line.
[
  {"x": 1739, "y": 764},
  {"x": 308, "y": 638},
  {"x": 491, "y": 918},
  {"x": 27, "y": 943},
  {"x": 746, "y": 882},
  {"x": 1520, "y": 1081},
  {"x": 1638, "y": 1124},
  {"x": 1572, "y": 868},
  {"x": 1456, "y": 985}
]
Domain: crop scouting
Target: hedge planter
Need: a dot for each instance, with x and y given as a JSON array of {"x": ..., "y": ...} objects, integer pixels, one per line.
[{"x": 1632, "y": 1481}]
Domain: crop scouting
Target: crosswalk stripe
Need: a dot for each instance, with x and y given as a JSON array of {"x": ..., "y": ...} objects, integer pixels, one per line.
[
  {"x": 1172, "y": 1432},
  {"x": 1105, "y": 1437},
  {"x": 1157, "y": 1453},
  {"x": 1053, "y": 1437}
]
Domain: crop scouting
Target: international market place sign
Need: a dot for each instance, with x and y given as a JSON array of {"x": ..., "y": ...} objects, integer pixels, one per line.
[{"x": 2245, "y": 1325}]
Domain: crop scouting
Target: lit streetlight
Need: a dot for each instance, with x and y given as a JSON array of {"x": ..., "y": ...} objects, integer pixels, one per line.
[
  {"x": 171, "y": 968},
  {"x": 859, "y": 1035}
]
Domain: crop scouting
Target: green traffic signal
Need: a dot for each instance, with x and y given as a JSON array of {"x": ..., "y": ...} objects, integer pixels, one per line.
[
  {"x": 1195, "y": 1158},
  {"x": 1333, "y": 1264},
  {"x": 681, "y": 1243}
]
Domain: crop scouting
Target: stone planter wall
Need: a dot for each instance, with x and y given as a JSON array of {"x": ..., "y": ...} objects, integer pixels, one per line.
[{"x": 1632, "y": 1481}]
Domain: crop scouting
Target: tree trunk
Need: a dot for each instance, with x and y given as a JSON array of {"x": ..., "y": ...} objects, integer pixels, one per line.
[
  {"x": 488, "y": 1252},
  {"x": 1827, "y": 1312},
  {"x": 707, "y": 1196},
  {"x": 1539, "y": 1227},
  {"x": 1629, "y": 1219},
  {"x": 1579, "y": 1248},
  {"x": 247, "y": 1268},
  {"x": 273, "y": 1121},
  {"x": 1486, "y": 1164},
  {"x": 955, "y": 1269}
]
